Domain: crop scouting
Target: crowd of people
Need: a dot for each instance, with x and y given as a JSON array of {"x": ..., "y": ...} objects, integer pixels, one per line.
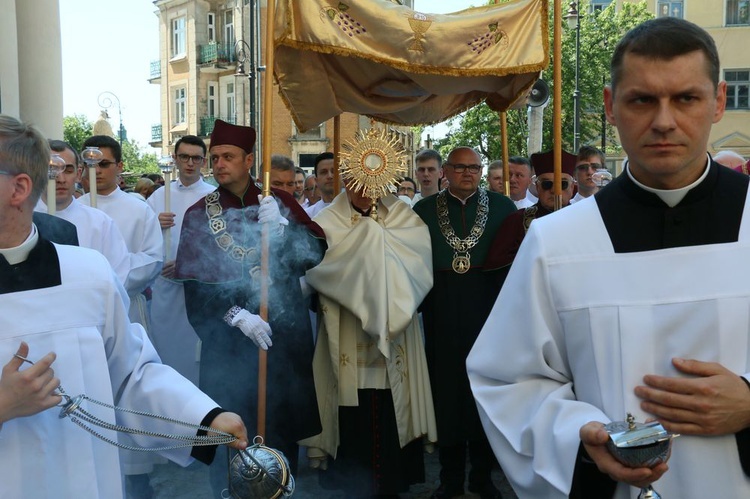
[{"x": 485, "y": 322}]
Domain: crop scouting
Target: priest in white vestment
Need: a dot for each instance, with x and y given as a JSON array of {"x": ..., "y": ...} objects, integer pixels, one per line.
[
  {"x": 63, "y": 309},
  {"x": 173, "y": 336},
  {"x": 631, "y": 302},
  {"x": 373, "y": 277}
]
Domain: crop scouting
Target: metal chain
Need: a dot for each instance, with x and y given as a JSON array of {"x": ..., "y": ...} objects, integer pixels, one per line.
[{"x": 462, "y": 245}]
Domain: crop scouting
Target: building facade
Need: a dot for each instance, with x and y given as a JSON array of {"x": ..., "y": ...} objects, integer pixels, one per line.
[{"x": 208, "y": 69}]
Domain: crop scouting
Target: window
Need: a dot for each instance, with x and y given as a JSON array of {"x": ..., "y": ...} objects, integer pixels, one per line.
[
  {"x": 738, "y": 87},
  {"x": 211, "y": 100},
  {"x": 178, "y": 37},
  {"x": 598, "y": 5},
  {"x": 670, "y": 9},
  {"x": 738, "y": 12},
  {"x": 230, "y": 110},
  {"x": 313, "y": 133},
  {"x": 211, "y": 27},
  {"x": 228, "y": 28},
  {"x": 179, "y": 105}
]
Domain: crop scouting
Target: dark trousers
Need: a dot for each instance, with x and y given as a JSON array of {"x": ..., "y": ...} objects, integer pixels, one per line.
[{"x": 453, "y": 464}]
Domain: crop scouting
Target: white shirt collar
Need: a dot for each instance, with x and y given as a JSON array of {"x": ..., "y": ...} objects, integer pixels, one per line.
[
  {"x": 671, "y": 197},
  {"x": 21, "y": 252}
]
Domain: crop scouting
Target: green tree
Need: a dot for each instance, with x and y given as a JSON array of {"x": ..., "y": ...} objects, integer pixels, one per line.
[
  {"x": 76, "y": 129},
  {"x": 136, "y": 161},
  {"x": 479, "y": 127}
]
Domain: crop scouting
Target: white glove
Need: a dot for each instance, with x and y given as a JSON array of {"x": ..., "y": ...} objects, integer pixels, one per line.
[
  {"x": 251, "y": 325},
  {"x": 269, "y": 213}
]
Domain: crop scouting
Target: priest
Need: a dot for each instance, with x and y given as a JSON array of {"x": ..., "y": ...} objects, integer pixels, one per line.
[
  {"x": 631, "y": 303},
  {"x": 62, "y": 308}
]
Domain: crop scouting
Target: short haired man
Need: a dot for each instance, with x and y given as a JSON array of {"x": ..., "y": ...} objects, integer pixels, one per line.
[
  {"x": 495, "y": 177},
  {"x": 63, "y": 302},
  {"x": 172, "y": 334},
  {"x": 519, "y": 180},
  {"x": 95, "y": 229},
  {"x": 429, "y": 171},
  {"x": 218, "y": 260},
  {"x": 407, "y": 187},
  {"x": 589, "y": 160},
  {"x": 312, "y": 194},
  {"x": 511, "y": 233},
  {"x": 730, "y": 159},
  {"x": 299, "y": 184},
  {"x": 137, "y": 222},
  {"x": 463, "y": 220},
  {"x": 283, "y": 173},
  {"x": 594, "y": 322},
  {"x": 324, "y": 178}
]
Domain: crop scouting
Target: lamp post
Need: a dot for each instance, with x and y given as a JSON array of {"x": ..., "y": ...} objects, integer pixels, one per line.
[
  {"x": 244, "y": 54},
  {"x": 573, "y": 17},
  {"x": 108, "y": 100}
]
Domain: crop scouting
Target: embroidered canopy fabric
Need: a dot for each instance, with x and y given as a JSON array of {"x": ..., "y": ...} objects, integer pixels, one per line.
[{"x": 399, "y": 66}]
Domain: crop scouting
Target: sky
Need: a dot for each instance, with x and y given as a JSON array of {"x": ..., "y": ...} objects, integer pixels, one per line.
[{"x": 108, "y": 45}]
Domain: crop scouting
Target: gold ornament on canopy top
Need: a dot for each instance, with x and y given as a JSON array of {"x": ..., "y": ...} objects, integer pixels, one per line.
[{"x": 372, "y": 162}]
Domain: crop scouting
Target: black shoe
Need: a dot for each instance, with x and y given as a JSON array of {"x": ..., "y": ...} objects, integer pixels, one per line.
[
  {"x": 446, "y": 492},
  {"x": 487, "y": 491}
]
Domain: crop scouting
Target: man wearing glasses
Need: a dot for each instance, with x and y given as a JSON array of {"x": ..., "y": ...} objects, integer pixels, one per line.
[
  {"x": 462, "y": 220},
  {"x": 508, "y": 239},
  {"x": 590, "y": 159},
  {"x": 171, "y": 332}
]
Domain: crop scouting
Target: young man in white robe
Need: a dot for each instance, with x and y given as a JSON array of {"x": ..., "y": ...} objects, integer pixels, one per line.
[
  {"x": 95, "y": 229},
  {"x": 631, "y": 303},
  {"x": 373, "y": 277},
  {"x": 62, "y": 308},
  {"x": 173, "y": 336},
  {"x": 137, "y": 222}
]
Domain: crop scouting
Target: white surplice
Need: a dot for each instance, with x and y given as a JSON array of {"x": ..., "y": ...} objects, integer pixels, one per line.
[
  {"x": 173, "y": 336},
  {"x": 96, "y": 230},
  {"x": 99, "y": 354},
  {"x": 372, "y": 279},
  {"x": 548, "y": 328},
  {"x": 140, "y": 228}
]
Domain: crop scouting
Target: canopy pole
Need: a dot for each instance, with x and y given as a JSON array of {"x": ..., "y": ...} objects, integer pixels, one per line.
[
  {"x": 264, "y": 241},
  {"x": 336, "y": 153},
  {"x": 506, "y": 167},
  {"x": 557, "y": 106}
]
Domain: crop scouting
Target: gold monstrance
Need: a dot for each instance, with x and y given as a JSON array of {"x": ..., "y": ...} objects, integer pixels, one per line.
[{"x": 372, "y": 162}]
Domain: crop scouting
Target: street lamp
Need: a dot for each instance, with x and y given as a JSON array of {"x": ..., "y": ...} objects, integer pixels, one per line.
[
  {"x": 105, "y": 101},
  {"x": 573, "y": 17},
  {"x": 246, "y": 56}
]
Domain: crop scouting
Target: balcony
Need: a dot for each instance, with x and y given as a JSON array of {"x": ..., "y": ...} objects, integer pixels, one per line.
[
  {"x": 207, "y": 123},
  {"x": 215, "y": 57},
  {"x": 155, "y": 72}
]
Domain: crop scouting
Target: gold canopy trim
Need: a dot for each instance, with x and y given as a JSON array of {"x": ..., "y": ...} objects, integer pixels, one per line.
[{"x": 396, "y": 65}]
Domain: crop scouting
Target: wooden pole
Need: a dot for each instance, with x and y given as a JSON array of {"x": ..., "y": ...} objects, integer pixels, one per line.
[
  {"x": 336, "y": 152},
  {"x": 265, "y": 247},
  {"x": 557, "y": 106},
  {"x": 506, "y": 167}
]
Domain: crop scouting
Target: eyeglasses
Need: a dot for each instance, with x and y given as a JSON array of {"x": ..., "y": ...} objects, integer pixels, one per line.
[
  {"x": 460, "y": 168},
  {"x": 406, "y": 189},
  {"x": 547, "y": 184},
  {"x": 586, "y": 166},
  {"x": 6, "y": 172},
  {"x": 186, "y": 157},
  {"x": 103, "y": 164}
]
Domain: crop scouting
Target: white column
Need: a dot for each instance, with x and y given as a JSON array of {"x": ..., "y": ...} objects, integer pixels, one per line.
[
  {"x": 40, "y": 65},
  {"x": 9, "y": 99}
]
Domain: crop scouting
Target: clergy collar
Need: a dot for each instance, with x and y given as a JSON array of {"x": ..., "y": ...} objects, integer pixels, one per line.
[
  {"x": 462, "y": 201},
  {"x": 671, "y": 197},
  {"x": 20, "y": 253}
]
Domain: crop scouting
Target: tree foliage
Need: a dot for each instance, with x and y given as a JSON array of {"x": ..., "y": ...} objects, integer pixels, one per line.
[
  {"x": 77, "y": 128},
  {"x": 479, "y": 127}
]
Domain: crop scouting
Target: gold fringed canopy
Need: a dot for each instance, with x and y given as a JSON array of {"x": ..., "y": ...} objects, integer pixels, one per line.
[{"x": 396, "y": 65}]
